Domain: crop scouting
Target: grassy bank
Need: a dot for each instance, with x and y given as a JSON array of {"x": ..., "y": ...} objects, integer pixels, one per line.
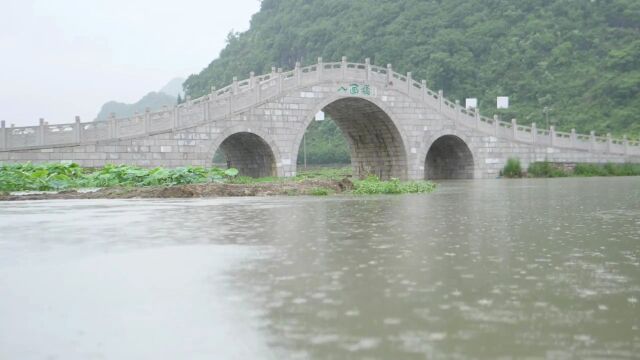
[
  {"x": 69, "y": 177},
  {"x": 545, "y": 169}
]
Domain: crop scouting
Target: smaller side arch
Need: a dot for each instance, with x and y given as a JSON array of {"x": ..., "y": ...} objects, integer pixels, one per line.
[
  {"x": 252, "y": 152},
  {"x": 448, "y": 155}
]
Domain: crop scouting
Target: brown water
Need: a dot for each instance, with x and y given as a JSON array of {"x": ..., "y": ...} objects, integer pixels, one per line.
[{"x": 545, "y": 269}]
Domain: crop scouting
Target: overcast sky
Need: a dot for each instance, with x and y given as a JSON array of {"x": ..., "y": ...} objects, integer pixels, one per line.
[{"x": 61, "y": 58}]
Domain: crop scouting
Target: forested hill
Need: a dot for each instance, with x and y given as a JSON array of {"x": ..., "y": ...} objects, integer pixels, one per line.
[{"x": 581, "y": 58}]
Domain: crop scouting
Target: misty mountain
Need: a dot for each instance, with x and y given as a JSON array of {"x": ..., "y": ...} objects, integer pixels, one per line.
[
  {"x": 167, "y": 96},
  {"x": 174, "y": 88}
]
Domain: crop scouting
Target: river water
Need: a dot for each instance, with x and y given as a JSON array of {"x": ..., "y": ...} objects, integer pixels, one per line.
[{"x": 546, "y": 269}]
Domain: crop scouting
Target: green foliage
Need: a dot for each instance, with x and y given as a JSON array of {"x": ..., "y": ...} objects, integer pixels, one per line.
[
  {"x": 609, "y": 169},
  {"x": 545, "y": 169},
  {"x": 324, "y": 173},
  {"x": 579, "y": 58},
  {"x": 245, "y": 180},
  {"x": 44, "y": 177},
  {"x": 512, "y": 169},
  {"x": 325, "y": 144},
  {"x": 373, "y": 185},
  {"x": 320, "y": 191}
]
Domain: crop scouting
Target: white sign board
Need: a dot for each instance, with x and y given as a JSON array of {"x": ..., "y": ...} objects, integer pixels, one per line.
[
  {"x": 320, "y": 116},
  {"x": 471, "y": 103},
  {"x": 502, "y": 102}
]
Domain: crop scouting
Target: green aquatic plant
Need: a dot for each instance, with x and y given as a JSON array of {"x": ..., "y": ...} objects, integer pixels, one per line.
[
  {"x": 373, "y": 185},
  {"x": 61, "y": 176},
  {"x": 320, "y": 191}
]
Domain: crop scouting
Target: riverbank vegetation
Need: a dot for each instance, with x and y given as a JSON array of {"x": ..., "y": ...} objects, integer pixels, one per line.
[
  {"x": 512, "y": 168},
  {"x": 58, "y": 176},
  {"x": 124, "y": 181},
  {"x": 546, "y": 169}
]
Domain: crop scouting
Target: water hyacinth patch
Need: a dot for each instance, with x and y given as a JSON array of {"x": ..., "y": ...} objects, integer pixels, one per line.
[{"x": 373, "y": 185}]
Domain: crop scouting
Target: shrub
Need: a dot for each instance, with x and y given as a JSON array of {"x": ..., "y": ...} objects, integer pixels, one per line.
[
  {"x": 320, "y": 192},
  {"x": 545, "y": 169},
  {"x": 589, "y": 170},
  {"x": 512, "y": 169}
]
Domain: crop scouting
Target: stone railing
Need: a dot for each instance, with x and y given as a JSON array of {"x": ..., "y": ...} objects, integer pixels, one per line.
[{"x": 243, "y": 94}]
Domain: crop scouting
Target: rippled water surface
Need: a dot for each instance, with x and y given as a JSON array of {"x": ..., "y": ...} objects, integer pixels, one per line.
[{"x": 544, "y": 269}]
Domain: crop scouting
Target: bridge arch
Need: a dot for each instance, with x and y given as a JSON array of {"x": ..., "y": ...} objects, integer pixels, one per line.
[
  {"x": 253, "y": 152},
  {"x": 448, "y": 156},
  {"x": 376, "y": 143}
]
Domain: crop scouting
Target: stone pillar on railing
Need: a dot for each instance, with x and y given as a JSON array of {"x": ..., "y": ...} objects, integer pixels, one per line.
[
  {"x": 424, "y": 90},
  {"x": 146, "y": 119},
  {"x": 625, "y": 142},
  {"x": 534, "y": 132},
  {"x": 478, "y": 118},
  {"x": 458, "y": 110},
  {"x": 279, "y": 76},
  {"x": 298, "y": 73},
  {"x": 258, "y": 87},
  {"x": 552, "y": 135},
  {"x": 573, "y": 138},
  {"x": 367, "y": 66},
  {"x": 389, "y": 74},
  {"x": 320, "y": 68},
  {"x": 440, "y": 98},
  {"x": 514, "y": 128},
  {"x": 110, "y": 128},
  {"x": 116, "y": 127},
  {"x": 409, "y": 82},
  {"x": 213, "y": 91},
  {"x": 608, "y": 142},
  {"x": 77, "y": 133},
  {"x": 343, "y": 66},
  {"x": 234, "y": 87},
  {"x": 496, "y": 124},
  {"x": 592, "y": 140},
  {"x": 252, "y": 79},
  {"x": 3, "y": 134},
  {"x": 41, "y": 132},
  {"x": 175, "y": 121}
]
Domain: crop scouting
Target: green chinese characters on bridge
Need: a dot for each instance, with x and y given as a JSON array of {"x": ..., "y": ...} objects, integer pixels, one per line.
[{"x": 356, "y": 89}]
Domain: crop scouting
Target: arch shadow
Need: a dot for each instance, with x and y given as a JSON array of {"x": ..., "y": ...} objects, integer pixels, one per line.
[
  {"x": 249, "y": 152},
  {"x": 376, "y": 144},
  {"x": 449, "y": 157}
]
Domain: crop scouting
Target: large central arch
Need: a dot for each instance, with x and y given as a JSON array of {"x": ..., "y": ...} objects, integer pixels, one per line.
[{"x": 376, "y": 145}]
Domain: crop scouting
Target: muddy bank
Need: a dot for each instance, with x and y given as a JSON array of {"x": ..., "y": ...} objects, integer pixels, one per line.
[{"x": 307, "y": 187}]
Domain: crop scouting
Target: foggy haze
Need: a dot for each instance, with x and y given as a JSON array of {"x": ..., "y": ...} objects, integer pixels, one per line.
[{"x": 59, "y": 59}]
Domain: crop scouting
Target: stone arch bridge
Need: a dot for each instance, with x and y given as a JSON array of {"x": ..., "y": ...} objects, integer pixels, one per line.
[{"x": 395, "y": 126}]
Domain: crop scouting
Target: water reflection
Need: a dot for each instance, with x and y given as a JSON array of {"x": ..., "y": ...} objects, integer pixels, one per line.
[{"x": 479, "y": 269}]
